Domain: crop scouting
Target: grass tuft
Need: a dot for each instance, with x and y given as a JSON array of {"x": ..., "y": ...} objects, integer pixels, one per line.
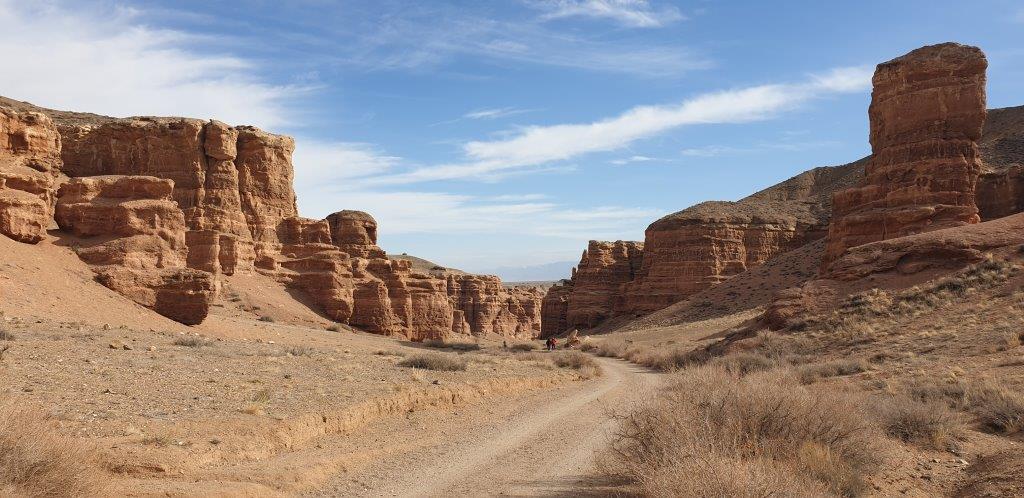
[{"x": 435, "y": 361}]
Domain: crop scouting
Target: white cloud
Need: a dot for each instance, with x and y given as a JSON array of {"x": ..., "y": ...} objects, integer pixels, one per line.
[
  {"x": 534, "y": 146},
  {"x": 318, "y": 163},
  {"x": 721, "y": 150},
  {"x": 104, "y": 60},
  {"x": 429, "y": 35},
  {"x": 632, "y": 13},
  {"x": 408, "y": 212},
  {"x": 633, "y": 159}
]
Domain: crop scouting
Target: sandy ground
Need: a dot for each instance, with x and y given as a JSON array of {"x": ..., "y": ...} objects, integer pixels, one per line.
[{"x": 541, "y": 445}]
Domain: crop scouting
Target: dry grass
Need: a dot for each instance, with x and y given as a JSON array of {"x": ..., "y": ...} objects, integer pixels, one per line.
[
  {"x": 714, "y": 433},
  {"x": 928, "y": 424},
  {"x": 581, "y": 362},
  {"x": 996, "y": 408},
  {"x": 746, "y": 362},
  {"x": 37, "y": 460},
  {"x": 653, "y": 358},
  {"x": 300, "y": 350},
  {"x": 6, "y": 335},
  {"x": 191, "y": 341},
  {"x": 456, "y": 345},
  {"x": 264, "y": 318},
  {"x": 812, "y": 373},
  {"x": 434, "y": 361},
  {"x": 334, "y": 328},
  {"x": 522, "y": 347}
]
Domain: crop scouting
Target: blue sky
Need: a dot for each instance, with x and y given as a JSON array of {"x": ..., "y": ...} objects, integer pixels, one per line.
[{"x": 491, "y": 135}]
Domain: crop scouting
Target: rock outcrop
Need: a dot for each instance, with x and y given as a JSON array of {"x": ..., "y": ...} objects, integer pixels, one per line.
[
  {"x": 162, "y": 207},
  {"x": 29, "y": 164},
  {"x": 133, "y": 234},
  {"x": 234, "y": 183},
  {"x": 595, "y": 291},
  {"x": 927, "y": 111},
  {"x": 690, "y": 251},
  {"x": 1000, "y": 189}
]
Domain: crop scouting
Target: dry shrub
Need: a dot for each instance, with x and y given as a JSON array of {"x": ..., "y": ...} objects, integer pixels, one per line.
[
  {"x": 6, "y": 335},
  {"x": 998, "y": 409},
  {"x": 301, "y": 350},
  {"x": 522, "y": 347},
  {"x": 810, "y": 374},
  {"x": 925, "y": 423},
  {"x": 581, "y": 362},
  {"x": 745, "y": 362},
  {"x": 713, "y": 433},
  {"x": 268, "y": 319},
  {"x": 434, "y": 361},
  {"x": 191, "y": 341},
  {"x": 456, "y": 345},
  {"x": 670, "y": 361},
  {"x": 334, "y": 328},
  {"x": 37, "y": 460},
  {"x": 608, "y": 348}
]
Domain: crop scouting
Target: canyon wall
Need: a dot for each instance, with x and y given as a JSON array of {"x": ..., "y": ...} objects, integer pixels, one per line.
[
  {"x": 163, "y": 208},
  {"x": 29, "y": 165},
  {"x": 927, "y": 112},
  {"x": 689, "y": 251}
]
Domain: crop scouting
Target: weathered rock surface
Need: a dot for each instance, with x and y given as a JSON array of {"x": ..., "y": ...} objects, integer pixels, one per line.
[
  {"x": 151, "y": 196},
  {"x": 1000, "y": 189},
  {"x": 231, "y": 181},
  {"x": 133, "y": 234},
  {"x": 927, "y": 111},
  {"x": 29, "y": 164},
  {"x": 595, "y": 290}
]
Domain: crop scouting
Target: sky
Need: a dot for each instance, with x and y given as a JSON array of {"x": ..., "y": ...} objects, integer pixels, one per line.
[{"x": 501, "y": 136}]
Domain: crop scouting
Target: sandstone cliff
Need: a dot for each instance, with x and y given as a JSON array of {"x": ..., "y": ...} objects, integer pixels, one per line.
[
  {"x": 927, "y": 111},
  {"x": 161, "y": 207},
  {"x": 595, "y": 290},
  {"x": 29, "y": 164}
]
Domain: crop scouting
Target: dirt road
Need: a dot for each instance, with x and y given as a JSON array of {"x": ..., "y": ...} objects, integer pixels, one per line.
[{"x": 540, "y": 445}]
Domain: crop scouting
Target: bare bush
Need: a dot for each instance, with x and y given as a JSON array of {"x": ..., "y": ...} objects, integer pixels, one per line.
[
  {"x": 6, "y": 335},
  {"x": 37, "y": 459},
  {"x": 713, "y": 433},
  {"x": 434, "y": 361},
  {"x": 811, "y": 373},
  {"x": 746, "y": 362},
  {"x": 191, "y": 341},
  {"x": 522, "y": 347},
  {"x": 998, "y": 409},
  {"x": 456, "y": 345},
  {"x": 581, "y": 362},
  {"x": 925, "y": 423}
]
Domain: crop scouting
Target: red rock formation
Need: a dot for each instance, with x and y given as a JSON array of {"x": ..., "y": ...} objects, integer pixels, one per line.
[
  {"x": 595, "y": 291},
  {"x": 29, "y": 163},
  {"x": 133, "y": 234},
  {"x": 490, "y": 308},
  {"x": 554, "y": 308},
  {"x": 1000, "y": 189},
  {"x": 233, "y": 182},
  {"x": 927, "y": 111}
]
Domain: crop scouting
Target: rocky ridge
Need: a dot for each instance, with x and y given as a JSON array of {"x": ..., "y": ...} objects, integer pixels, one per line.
[{"x": 161, "y": 207}]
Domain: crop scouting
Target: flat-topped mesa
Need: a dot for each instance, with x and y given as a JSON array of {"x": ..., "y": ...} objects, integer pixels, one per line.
[
  {"x": 133, "y": 235},
  {"x": 927, "y": 113},
  {"x": 29, "y": 164},
  {"x": 234, "y": 184}
]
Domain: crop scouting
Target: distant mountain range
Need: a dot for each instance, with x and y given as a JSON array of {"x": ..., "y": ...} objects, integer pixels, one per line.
[{"x": 544, "y": 272}]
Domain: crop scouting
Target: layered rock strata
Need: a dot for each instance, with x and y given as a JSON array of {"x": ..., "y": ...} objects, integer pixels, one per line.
[
  {"x": 29, "y": 164},
  {"x": 927, "y": 112},
  {"x": 133, "y": 235},
  {"x": 595, "y": 290}
]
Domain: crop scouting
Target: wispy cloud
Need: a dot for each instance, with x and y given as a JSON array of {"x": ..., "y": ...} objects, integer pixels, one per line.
[
  {"x": 429, "y": 35},
  {"x": 406, "y": 212},
  {"x": 104, "y": 60},
  {"x": 535, "y": 146},
  {"x": 632, "y": 159},
  {"x": 632, "y": 13},
  {"x": 318, "y": 163},
  {"x": 494, "y": 113},
  {"x": 723, "y": 150}
]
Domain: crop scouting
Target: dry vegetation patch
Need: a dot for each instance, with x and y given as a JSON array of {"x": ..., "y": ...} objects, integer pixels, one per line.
[
  {"x": 714, "y": 433},
  {"x": 435, "y": 361},
  {"x": 456, "y": 345},
  {"x": 581, "y": 362},
  {"x": 36, "y": 459}
]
